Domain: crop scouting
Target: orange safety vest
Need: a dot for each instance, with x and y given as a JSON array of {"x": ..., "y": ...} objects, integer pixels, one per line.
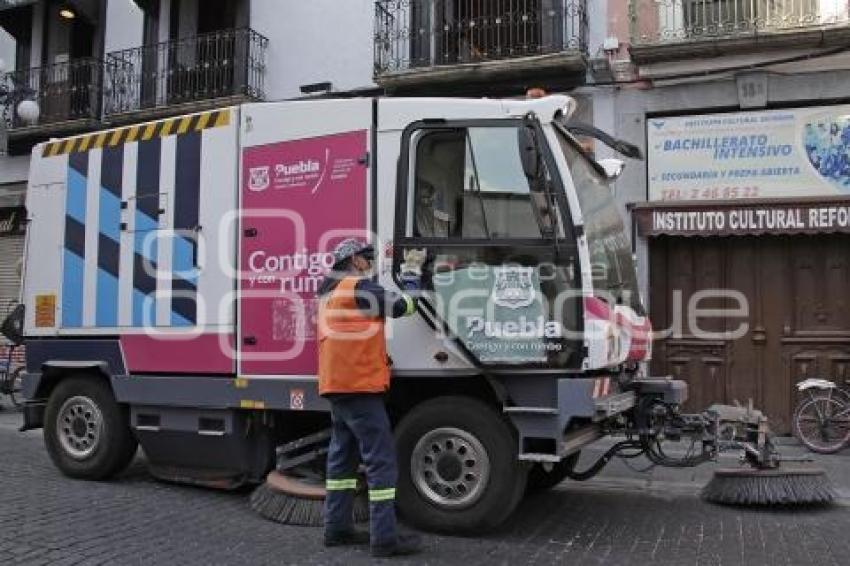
[{"x": 352, "y": 346}]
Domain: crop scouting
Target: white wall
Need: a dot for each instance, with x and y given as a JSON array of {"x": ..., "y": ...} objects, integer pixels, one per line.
[
  {"x": 7, "y": 52},
  {"x": 124, "y": 25},
  {"x": 315, "y": 41}
]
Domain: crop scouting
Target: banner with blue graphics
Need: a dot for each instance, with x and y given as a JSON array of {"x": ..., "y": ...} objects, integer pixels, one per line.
[{"x": 763, "y": 154}]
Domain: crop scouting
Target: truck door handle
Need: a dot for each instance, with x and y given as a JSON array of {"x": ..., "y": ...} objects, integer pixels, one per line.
[
  {"x": 250, "y": 232},
  {"x": 249, "y": 340}
]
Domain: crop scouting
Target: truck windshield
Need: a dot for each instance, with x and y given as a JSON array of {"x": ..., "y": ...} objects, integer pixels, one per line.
[{"x": 610, "y": 251}]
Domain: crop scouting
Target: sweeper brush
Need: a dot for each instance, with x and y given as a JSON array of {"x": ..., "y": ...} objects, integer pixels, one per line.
[
  {"x": 294, "y": 493},
  {"x": 763, "y": 480},
  {"x": 778, "y": 486},
  {"x": 293, "y": 501}
]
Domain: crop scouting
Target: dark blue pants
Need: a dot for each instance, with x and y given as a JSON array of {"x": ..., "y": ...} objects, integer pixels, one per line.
[{"x": 361, "y": 427}]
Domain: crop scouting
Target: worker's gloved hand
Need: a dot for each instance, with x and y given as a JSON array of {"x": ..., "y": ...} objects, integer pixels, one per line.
[{"x": 413, "y": 261}]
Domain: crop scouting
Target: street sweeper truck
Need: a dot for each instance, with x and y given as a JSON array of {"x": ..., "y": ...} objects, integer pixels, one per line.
[{"x": 170, "y": 300}]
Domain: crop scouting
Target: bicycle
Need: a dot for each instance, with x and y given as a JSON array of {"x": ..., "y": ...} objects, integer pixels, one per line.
[
  {"x": 10, "y": 378},
  {"x": 822, "y": 418}
]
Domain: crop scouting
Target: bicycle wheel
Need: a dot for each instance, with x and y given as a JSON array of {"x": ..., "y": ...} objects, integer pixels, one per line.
[
  {"x": 822, "y": 423},
  {"x": 15, "y": 387}
]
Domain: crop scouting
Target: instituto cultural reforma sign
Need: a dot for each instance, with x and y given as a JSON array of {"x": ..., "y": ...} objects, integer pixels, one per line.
[
  {"x": 744, "y": 218},
  {"x": 762, "y": 154}
]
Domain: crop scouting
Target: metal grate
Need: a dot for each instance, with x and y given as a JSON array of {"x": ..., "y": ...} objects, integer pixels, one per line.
[
  {"x": 667, "y": 21},
  {"x": 214, "y": 65},
  {"x": 412, "y": 34},
  {"x": 64, "y": 91}
]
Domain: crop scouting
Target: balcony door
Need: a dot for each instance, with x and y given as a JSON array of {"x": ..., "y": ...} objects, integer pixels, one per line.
[
  {"x": 471, "y": 30},
  {"x": 205, "y": 48},
  {"x": 67, "y": 78}
]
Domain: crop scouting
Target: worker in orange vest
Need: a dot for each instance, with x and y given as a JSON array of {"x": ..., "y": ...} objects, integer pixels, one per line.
[{"x": 354, "y": 375}]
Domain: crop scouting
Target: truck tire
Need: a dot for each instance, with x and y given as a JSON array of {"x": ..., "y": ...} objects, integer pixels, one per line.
[
  {"x": 540, "y": 480},
  {"x": 458, "y": 467},
  {"x": 86, "y": 432}
]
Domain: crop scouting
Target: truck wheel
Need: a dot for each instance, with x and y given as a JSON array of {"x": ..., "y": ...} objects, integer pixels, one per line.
[
  {"x": 539, "y": 479},
  {"x": 458, "y": 467},
  {"x": 86, "y": 432}
]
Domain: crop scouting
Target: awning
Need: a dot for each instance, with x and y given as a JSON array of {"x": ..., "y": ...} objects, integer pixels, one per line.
[{"x": 821, "y": 215}]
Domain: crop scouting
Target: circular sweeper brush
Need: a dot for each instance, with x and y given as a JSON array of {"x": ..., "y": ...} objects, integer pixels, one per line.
[
  {"x": 771, "y": 486},
  {"x": 298, "y": 501}
]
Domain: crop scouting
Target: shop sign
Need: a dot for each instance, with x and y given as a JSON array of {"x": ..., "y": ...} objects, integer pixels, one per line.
[
  {"x": 743, "y": 155},
  {"x": 13, "y": 221},
  {"x": 731, "y": 219}
]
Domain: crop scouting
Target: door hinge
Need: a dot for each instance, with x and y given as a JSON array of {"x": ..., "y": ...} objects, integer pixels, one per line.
[{"x": 365, "y": 160}]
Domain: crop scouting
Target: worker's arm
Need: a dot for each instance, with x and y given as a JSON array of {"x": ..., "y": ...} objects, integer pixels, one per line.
[{"x": 377, "y": 301}]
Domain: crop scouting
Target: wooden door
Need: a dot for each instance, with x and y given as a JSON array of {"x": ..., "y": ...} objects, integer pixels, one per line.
[{"x": 794, "y": 293}]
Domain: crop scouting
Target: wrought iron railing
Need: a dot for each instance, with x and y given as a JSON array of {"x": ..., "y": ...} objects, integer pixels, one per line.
[
  {"x": 411, "y": 34},
  {"x": 64, "y": 92},
  {"x": 655, "y": 22},
  {"x": 214, "y": 65}
]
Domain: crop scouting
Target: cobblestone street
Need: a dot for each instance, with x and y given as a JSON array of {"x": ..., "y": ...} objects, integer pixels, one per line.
[{"x": 46, "y": 518}]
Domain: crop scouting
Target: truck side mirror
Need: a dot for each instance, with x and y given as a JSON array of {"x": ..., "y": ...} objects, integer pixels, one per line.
[{"x": 529, "y": 152}]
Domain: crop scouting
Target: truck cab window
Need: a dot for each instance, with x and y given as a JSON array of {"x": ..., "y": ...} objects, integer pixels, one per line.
[{"x": 469, "y": 183}]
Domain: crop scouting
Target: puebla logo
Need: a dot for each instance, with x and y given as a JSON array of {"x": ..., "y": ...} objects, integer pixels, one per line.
[
  {"x": 258, "y": 178},
  {"x": 513, "y": 287}
]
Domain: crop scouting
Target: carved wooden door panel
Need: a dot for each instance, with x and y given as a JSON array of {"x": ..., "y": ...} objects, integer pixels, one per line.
[{"x": 794, "y": 298}]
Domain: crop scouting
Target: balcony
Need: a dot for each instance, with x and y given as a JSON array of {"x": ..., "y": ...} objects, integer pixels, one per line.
[
  {"x": 185, "y": 75},
  {"x": 680, "y": 29},
  {"x": 68, "y": 95},
  {"x": 454, "y": 43}
]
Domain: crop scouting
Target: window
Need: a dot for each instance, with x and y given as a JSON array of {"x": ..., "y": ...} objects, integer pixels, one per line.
[
  {"x": 470, "y": 183},
  {"x": 612, "y": 266}
]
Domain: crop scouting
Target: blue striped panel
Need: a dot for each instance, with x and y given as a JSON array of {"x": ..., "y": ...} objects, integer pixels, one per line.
[
  {"x": 145, "y": 228},
  {"x": 110, "y": 215},
  {"x": 183, "y": 264},
  {"x": 72, "y": 290},
  {"x": 106, "y": 309},
  {"x": 184, "y": 283},
  {"x": 144, "y": 309},
  {"x": 178, "y": 320},
  {"x": 109, "y": 236},
  {"x": 73, "y": 257},
  {"x": 75, "y": 206}
]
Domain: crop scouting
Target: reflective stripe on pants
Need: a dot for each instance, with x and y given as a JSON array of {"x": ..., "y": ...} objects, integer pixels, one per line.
[{"x": 361, "y": 427}]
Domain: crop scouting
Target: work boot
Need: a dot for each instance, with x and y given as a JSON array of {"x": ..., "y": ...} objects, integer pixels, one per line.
[
  {"x": 404, "y": 545},
  {"x": 346, "y": 538}
]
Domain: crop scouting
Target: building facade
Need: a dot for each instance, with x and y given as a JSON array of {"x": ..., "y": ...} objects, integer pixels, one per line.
[
  {"x": 743, "y": 201},
  {"x": 95, "y": 64},
  {"x": 737, "y": 104}
]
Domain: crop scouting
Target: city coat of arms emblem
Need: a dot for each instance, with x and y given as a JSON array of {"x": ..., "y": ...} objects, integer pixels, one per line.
[
  {"x": 513, "y": 287},
  {"x": 259, "y": 178}
]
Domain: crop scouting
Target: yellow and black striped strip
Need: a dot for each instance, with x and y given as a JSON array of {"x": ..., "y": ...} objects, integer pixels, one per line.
[{"x": 143, "y": 132}]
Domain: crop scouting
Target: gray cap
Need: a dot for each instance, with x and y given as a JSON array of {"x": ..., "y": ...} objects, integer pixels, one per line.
[{"x": 351, "y": 247}]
